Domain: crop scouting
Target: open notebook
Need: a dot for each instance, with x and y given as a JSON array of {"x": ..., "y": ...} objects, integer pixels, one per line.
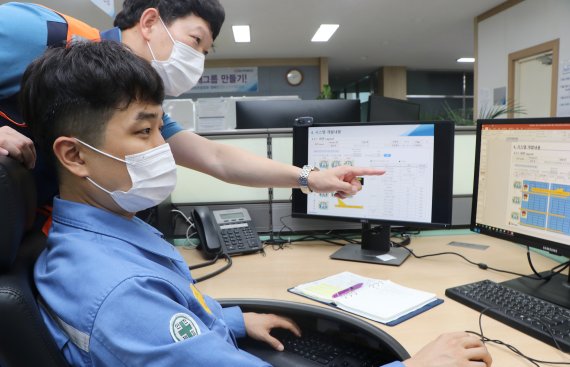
[{"x": 379, "y": 300}]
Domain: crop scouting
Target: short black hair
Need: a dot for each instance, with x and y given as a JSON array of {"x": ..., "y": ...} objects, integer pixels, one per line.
[
  {"x": 170, "y": 10},
  {"x": 75, "y": 91}
]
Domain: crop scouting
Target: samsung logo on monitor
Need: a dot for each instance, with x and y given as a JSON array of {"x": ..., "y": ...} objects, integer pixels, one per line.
[{"x": 550, "y": 249}]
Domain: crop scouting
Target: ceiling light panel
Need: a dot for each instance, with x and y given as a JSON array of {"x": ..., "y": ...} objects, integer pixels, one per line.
[
  {"x": 324, "y": 33},
  {"x": 241, "y": 33}
]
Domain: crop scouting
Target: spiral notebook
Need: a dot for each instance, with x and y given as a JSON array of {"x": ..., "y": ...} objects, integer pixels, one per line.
[{"x": 380, "y": 300}]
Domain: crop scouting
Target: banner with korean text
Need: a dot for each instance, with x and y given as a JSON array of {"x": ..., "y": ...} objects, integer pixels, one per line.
[{"x": 220, "y": 80}]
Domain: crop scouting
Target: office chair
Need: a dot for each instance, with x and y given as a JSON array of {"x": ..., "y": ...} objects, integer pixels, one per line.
[
  {"x": 24, "y": 338},
  {"x": 321, "y": 319}
]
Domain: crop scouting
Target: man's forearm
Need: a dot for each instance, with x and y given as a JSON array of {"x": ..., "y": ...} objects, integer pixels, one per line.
[{"x": 231, "y": 164}]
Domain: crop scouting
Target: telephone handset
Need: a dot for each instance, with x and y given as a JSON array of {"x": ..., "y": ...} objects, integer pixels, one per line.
[
  {"x": 208, "y": 232},
  {"x": 230, "y": 231}
]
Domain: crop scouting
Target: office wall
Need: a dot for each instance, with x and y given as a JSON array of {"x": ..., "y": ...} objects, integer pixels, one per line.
[
  {"x": 272, "y": 82},
  {"x": 526, "y": 24}
]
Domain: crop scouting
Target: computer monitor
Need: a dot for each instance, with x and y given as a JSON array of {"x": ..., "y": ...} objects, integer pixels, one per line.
[
  {"x": 521, "y": 191},
  {"x": 391, "y": 109},
  {"x": 282, "y": 113},
  {"x": 416, "y": 189}
]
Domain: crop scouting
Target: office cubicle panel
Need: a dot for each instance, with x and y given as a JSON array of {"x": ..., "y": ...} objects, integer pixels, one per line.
[
  {"x": 382, "y": 108},
  {"x": 194, "y": 187},
  {"x": 463, "y": 162},
  {"x": 182, "y": 111},
  {"x": 282, "y": 151}
]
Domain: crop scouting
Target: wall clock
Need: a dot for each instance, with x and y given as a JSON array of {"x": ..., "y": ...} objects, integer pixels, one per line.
[{"x": 294, "y": 77}]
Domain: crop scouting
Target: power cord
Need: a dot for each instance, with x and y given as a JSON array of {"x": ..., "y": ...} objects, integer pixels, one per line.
[
  {"x": 213, "y": 261},
  {"x": 484, "y": 266},
  {"x": 206, "y": 263},
  {"x": 512, "y": 348},
  {"x": 328, "y": 237},
  {"x": 187, "y": 220},
  {"x": 555, "y": 270}
]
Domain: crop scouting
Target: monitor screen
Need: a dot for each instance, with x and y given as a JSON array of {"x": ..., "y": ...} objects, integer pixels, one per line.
[
  {"x": 391, "y": 109},
  {"x": 416, "y": 189},
  {"x": 522, "y": 186},
  {"x": 282, "y": 113}
]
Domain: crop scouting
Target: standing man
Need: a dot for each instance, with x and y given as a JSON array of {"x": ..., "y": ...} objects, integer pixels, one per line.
[{"x": 174, "y": 36}]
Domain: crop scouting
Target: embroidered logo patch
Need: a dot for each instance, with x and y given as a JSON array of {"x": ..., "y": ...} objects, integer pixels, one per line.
[{"x": 183, "y": 327}]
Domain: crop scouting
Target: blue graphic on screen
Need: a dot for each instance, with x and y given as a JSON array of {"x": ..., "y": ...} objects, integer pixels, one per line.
[
  {"x": 559, "y": 219},
  {"x": 546, "y": 206},
  {"x": 422, "y": 130}
]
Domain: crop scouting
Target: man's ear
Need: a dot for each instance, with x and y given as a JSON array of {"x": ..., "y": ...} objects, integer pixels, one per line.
[
  {"x": 67, "y": 152},
  {"x": 149, "y": 18}
]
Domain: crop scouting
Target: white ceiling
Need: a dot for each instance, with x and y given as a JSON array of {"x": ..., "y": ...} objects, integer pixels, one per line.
[{"x": 417, "y": 34}]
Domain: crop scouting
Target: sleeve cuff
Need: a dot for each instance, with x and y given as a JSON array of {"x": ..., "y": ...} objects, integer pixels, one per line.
[
  {"x": 233, "y": 317},
  {"x": 170, "y": 127}
]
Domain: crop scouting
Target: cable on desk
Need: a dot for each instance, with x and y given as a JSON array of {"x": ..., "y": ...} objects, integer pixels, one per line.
[
  {"x": 343, "y": 237},
  {"x": 553, "y": 272},
  {"x": 216, "y": 272},
  {"x": 311, "y": 237},
  {"x": 205, "y": 263},
  {"x": 188, "y": 220},
  {"x": 405, "y": 241},
  {"x": 484, "y": 266},
  {"x": 512, "y": 348},
  {"x": 276, "y": 246},
  {"x": 406, "y": 231}
]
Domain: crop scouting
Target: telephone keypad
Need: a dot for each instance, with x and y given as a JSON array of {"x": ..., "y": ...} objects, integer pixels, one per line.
[{"x": 240, "y": 238}]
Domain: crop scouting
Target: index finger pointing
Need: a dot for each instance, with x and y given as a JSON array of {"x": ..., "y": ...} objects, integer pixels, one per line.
[{"x": 357, "y": 171}]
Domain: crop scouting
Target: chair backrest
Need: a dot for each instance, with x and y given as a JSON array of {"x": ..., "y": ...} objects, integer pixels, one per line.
[{"x": 24, "y": 338}]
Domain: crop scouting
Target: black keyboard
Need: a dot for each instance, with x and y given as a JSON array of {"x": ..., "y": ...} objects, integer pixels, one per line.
[
  {"x": 318, "y": 350},
  {"x": 540, "y": 319}
]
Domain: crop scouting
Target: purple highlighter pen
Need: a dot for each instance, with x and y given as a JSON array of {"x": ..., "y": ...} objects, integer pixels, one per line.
[{"x": 347, "y": 290}]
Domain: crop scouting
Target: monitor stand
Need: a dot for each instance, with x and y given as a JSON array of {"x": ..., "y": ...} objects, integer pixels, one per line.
[
  {"x": 555, "y": 290},
  {"x": 376, "y": 247}
]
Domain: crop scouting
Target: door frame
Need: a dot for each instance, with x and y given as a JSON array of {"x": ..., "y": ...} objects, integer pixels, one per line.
[{"x": 550, "y": 46}]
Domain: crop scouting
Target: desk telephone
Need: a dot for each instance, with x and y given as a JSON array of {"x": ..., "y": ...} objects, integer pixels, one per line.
[{"x": 230, "y": 231}]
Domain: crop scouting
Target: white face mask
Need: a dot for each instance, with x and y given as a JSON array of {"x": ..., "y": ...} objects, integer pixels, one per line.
[
  {"x": 183, "y": 69},
  {"x": 153, "y": 174}
]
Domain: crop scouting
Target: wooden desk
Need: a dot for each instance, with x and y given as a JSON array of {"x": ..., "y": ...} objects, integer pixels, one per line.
[{"x": 258, "y": 276}]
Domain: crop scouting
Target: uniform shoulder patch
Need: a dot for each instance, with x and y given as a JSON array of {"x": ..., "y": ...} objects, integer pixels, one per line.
[{"x": 183, "y": 327}]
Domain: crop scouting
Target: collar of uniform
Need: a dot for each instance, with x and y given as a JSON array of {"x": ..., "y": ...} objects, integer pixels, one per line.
[
  {"x": 133, "y": 231},
  {"x": 113, "y": 34}
]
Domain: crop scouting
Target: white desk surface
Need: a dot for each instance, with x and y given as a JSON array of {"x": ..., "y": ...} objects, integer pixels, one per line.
[{"x": 269, "y": 276}]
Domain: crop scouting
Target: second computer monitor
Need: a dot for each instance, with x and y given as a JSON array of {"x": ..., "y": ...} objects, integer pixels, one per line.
[
  {"x": 415, "y": 190},
  {"x": 521, "y": 193},
  {"x": 282, "y": 113},
  {"x": 382, "y": 108}
]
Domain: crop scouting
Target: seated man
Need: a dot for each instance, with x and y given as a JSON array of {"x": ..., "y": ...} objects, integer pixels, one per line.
[{"x": 114, "y": 293}]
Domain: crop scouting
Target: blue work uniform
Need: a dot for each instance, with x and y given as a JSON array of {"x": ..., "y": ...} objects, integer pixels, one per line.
[
  {"x": 116, "y": 294},
  {"x": 26, "y": 31}
]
